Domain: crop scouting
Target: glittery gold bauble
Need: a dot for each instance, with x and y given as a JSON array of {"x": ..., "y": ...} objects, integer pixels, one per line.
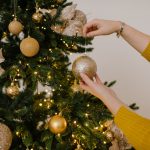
[
  {"x": 5, "y": 137},
  {"x": 12, "y": 90},
  {"x": 37, "y": 17},
  {"x": 29, "y": 47},
  {"x": 108, "y": 123},
  {"x": 15, "y": 27},
  {"x": 109, "y": 135},
  {"x": 84, "y": 64},
  {"x": 57, "y": 124}
]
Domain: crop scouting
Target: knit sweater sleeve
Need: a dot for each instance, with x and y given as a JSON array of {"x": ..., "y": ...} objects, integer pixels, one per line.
[
  {"x": 135, "y": 128},
  {"x": 146, "y": 52}
]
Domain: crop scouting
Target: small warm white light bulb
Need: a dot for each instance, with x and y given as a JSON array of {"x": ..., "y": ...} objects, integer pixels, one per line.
[
  {"x": 75, "y": 122},
  {"x": 96, "y": 128},
  {"x": 88, "y": 105},
  {"x": 40, "y": 104},
  {"x": 35, "y": 72},
  {"x": 17, "y": 133}
]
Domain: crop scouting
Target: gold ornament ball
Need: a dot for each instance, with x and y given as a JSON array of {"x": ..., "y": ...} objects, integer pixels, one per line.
[
  {"x": 12, "y": 90},
  {"x": 84, "y": 64},
  {"x": 29, "y": 47},
  {"x": 37, "y": 17},
  {"x": 15, "y": 27},
  {"x": 5, "y": 137},
  {"x": 109, "y": 135},
  {"x": 57, "y": 124}
]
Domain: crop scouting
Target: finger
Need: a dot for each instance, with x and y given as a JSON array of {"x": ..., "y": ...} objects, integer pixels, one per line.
[
  {"x": 92, "y": 25},
  {"x": 98, "y": 80},
  {"x": 93, "y": 33},
  {"x": 86, "y": 28},
  {"x": 84, "y": 86},
  {"x": 86, "y": 79}
]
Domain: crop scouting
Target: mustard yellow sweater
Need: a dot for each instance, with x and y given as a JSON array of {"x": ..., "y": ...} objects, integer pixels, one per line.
[{"x": 135, "y": 127}]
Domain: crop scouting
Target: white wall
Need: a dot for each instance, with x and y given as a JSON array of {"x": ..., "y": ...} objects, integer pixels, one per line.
[{"x": 117, "y": 60}]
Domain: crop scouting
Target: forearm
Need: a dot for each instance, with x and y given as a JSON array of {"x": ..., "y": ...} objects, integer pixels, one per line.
[
  {"x": 112, "y": 102},
  {"x": 135, "y": 38}
]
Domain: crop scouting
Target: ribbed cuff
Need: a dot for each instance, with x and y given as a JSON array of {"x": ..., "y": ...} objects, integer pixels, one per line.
[{"x": 146, "y": 52}]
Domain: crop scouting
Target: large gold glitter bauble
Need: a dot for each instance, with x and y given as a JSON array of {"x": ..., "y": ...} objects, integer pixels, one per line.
[
  {"x": 29, "y": 47},
  {"x": 84, "y": 64},
  {"x": 57, "y": 124},
  {"x": 12, "y": 90},
  {"x": 37, "y": 17},
  {"x": 5, "y": 137},
  {"x": 15, "y": 27}
]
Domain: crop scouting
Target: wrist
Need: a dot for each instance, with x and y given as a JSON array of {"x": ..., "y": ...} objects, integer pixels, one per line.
[
  {"x": 117, "y": 26},
  {"x": 120, "y": 28}
]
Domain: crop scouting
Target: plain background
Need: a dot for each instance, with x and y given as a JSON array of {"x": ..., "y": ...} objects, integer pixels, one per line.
[{"x": 116, "y": 60}]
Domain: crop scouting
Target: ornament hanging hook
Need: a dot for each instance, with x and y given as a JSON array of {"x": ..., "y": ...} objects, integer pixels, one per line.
[{"x": 15, "y": 8}]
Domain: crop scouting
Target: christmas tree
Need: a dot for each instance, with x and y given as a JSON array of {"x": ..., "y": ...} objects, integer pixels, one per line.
[{"x": 37, "y": 37}]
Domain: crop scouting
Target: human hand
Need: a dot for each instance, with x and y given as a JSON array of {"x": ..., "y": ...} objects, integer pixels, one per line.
[
  {"x": 96, "y": 87},
  {"x": 101, "y": 27}
]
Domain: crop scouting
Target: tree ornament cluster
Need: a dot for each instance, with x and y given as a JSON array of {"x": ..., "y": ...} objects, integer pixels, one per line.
[
  {"x": 115, "y": 135},
  {"x": 73, "y": 19}
]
